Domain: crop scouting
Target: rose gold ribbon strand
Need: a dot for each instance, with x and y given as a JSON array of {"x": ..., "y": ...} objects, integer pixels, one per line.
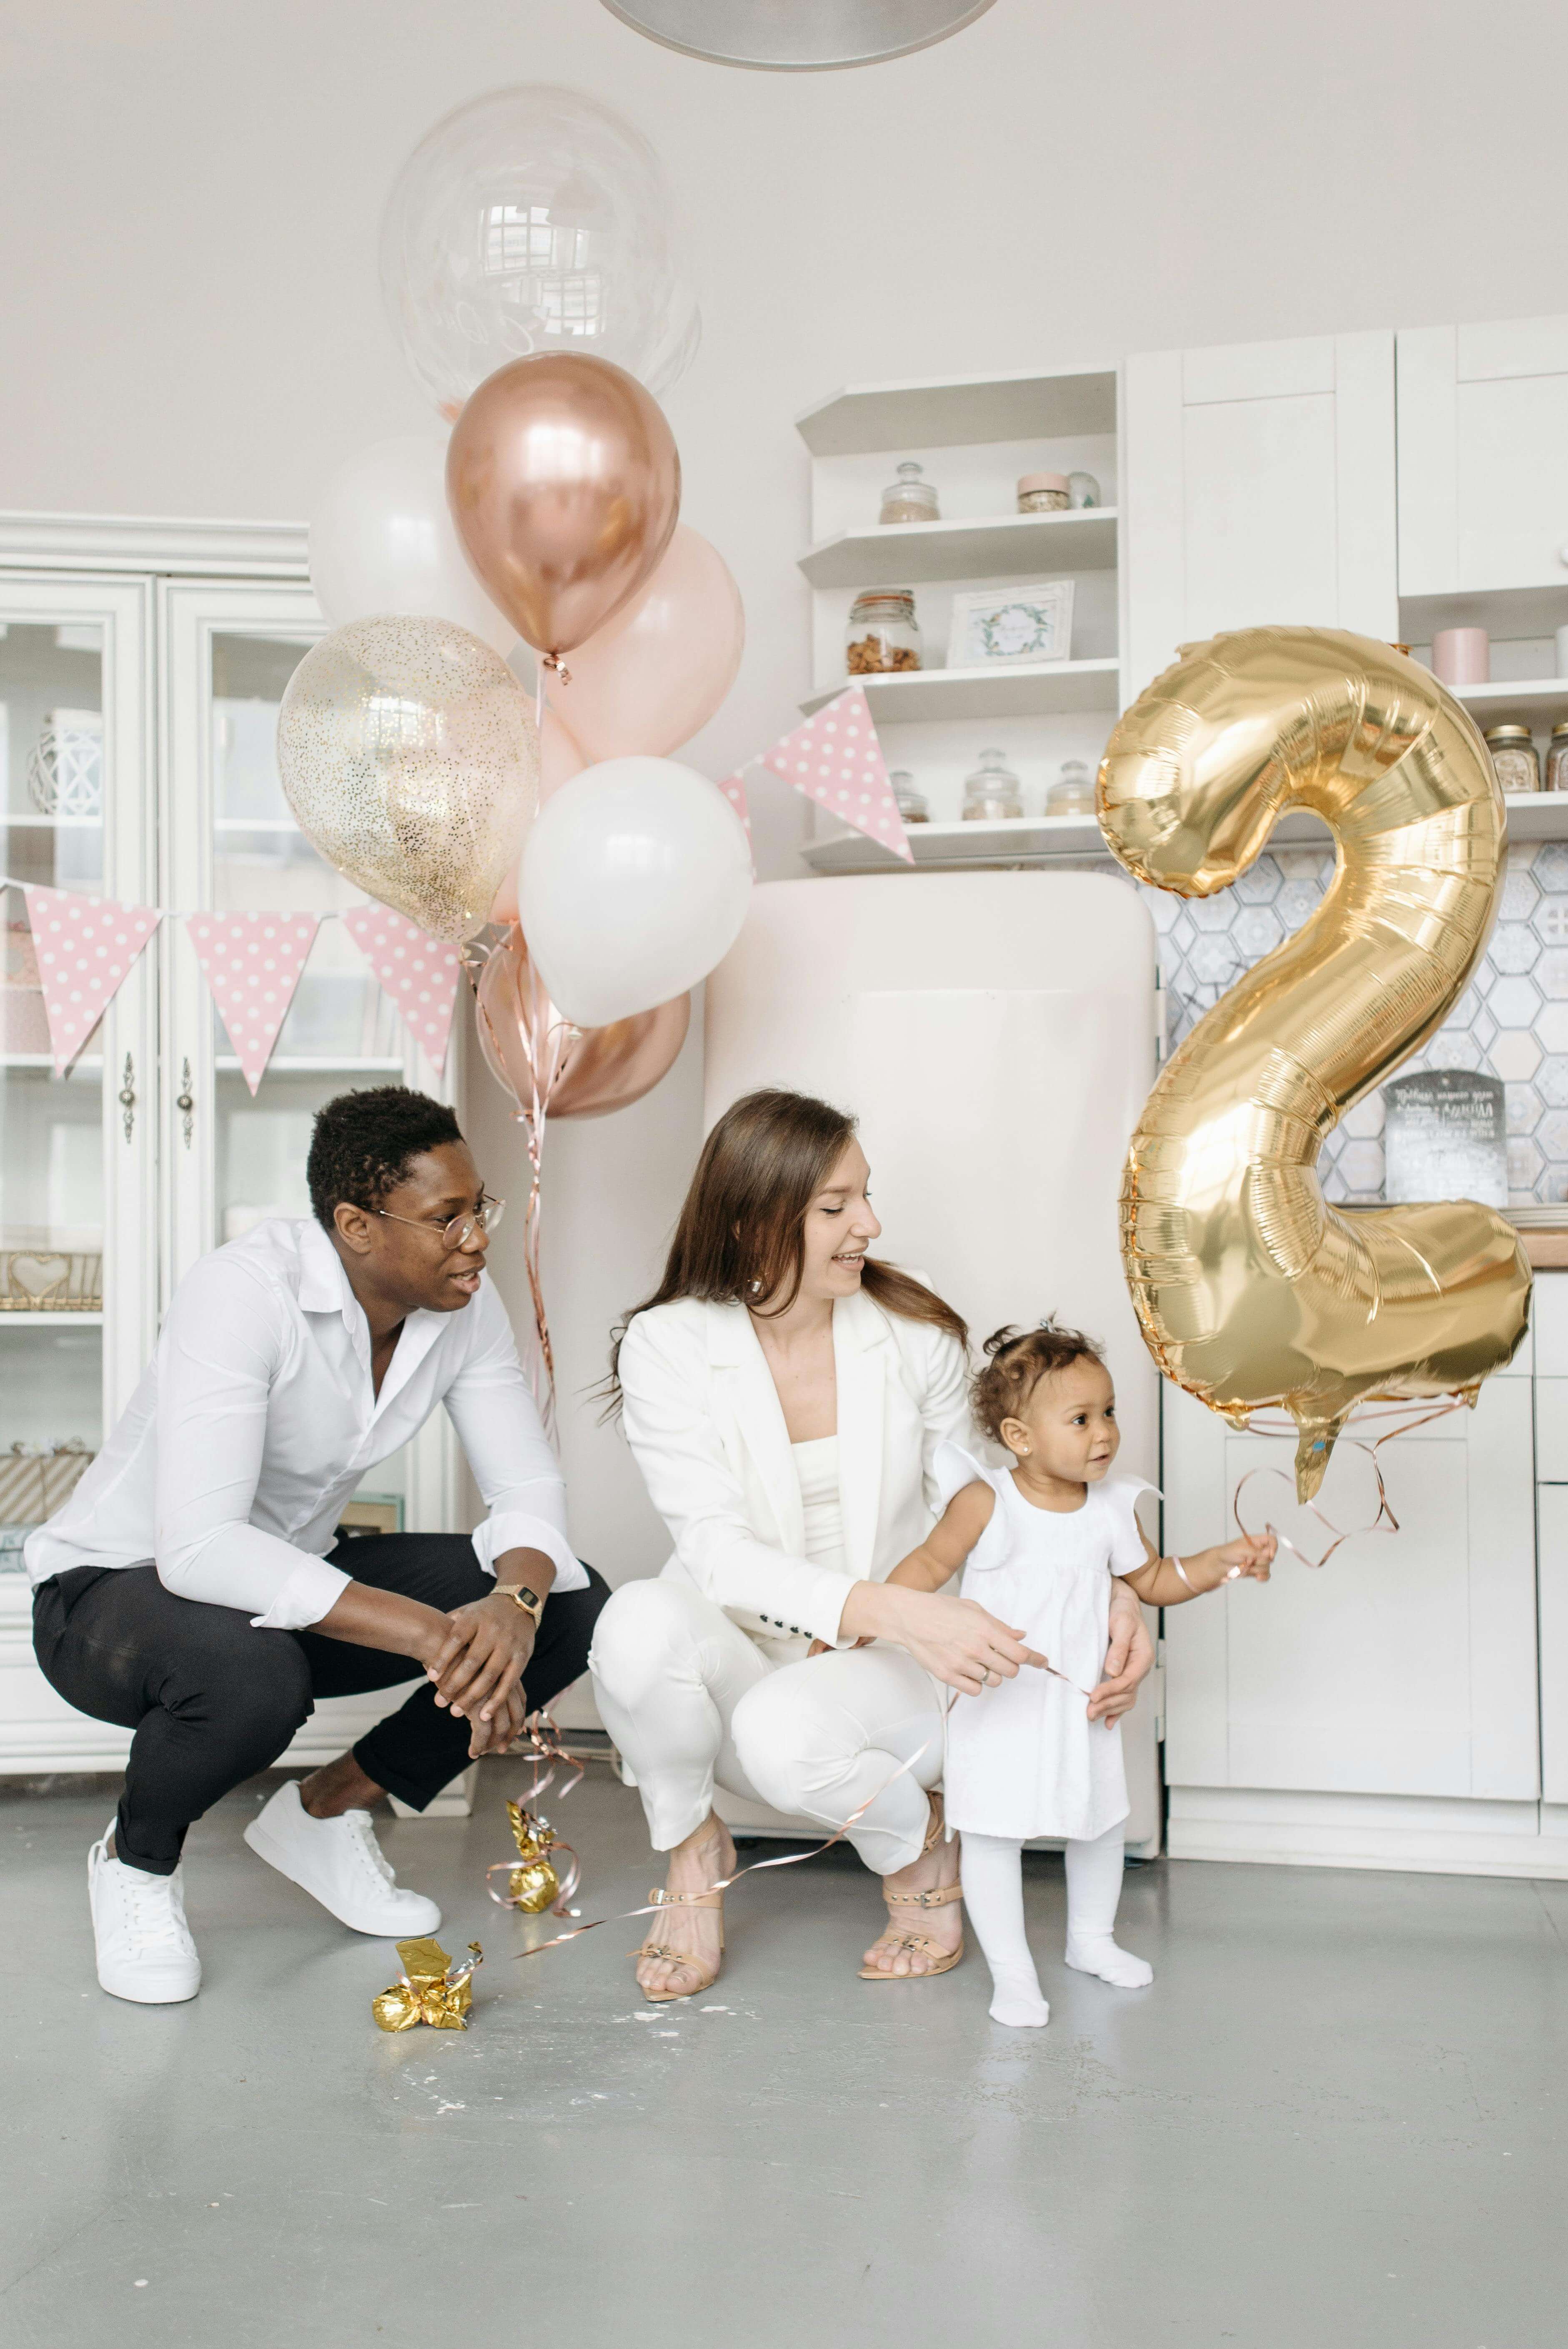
[
  {"x": 753, "y": 1867},
  {"x": 1384, "y": 1522}
]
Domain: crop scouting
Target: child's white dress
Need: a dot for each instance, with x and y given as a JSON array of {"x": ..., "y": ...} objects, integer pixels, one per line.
[{"x": 1024, "y": 1759}]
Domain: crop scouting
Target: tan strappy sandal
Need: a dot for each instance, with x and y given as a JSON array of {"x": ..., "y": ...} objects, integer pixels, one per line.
[
  {"x": 693, "y": 1964},
  {"x": 921, "y": 1944}
]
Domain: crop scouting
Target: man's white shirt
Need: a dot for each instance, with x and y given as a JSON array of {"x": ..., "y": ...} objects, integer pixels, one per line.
[{"x": 256, "y": 1420}]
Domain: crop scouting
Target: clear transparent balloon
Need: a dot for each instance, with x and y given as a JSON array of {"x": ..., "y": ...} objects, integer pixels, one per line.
[{"x": 534, "y": 220}]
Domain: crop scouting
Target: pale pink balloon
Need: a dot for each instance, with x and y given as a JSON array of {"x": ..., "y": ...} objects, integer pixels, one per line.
[
  {"x": 654, "y": 675},
  {"x": 558, "y": 759}
]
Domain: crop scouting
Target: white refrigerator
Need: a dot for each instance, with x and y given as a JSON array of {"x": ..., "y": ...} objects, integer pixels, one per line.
[{"x": 995, "y": 1035}]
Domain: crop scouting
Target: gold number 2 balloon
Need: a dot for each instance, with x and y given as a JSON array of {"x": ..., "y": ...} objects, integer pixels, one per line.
[{"x": 1250, "y": 1289}]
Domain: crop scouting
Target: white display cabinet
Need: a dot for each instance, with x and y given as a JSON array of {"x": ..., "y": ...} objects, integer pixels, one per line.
[
  {"x": 974, "y": 437},
  {"x": 166, "y": 647}
]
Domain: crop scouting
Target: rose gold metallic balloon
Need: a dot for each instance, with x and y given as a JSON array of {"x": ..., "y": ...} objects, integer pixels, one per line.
[
  {"x": 566, "y": 486},
  {"x": 541, "y": 1059},
  {"x": 1250, "y": 1288}
]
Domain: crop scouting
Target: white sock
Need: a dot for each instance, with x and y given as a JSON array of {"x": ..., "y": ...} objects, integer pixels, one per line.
[
  {"x": 1094, "y": 1887},
  {"x": 993, "y": 1896}
]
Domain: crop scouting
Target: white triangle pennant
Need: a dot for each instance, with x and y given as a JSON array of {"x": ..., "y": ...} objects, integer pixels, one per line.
[
  {"x": 252, "y": 962},
  {"x": 84, "y": 946},
  {"x": 836, "y": 760}
]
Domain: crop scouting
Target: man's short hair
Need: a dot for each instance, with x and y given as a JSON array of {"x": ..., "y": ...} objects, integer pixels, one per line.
[{"x": 363, "y": 1144}]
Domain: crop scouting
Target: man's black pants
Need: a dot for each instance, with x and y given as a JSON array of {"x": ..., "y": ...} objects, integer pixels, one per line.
[{"x": 212, "y": 1700}]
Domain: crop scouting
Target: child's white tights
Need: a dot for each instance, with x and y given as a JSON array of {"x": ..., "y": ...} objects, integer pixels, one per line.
[{"x": 993, "y": 1896}]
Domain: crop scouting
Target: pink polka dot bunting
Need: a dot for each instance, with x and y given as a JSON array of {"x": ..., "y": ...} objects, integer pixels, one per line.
[
  {"x": 84, "y": 946},
  {"x": 836, "y": 760},
  {"x": 733, "y": 791},
  {"x": 419, "y": 973},
  {"x": 252, "y": 962}
]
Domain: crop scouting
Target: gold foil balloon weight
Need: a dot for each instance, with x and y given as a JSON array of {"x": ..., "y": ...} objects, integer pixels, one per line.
[
  {"x": 545, "y": 1873},
  {"x": 432, "y": 1988},
  {"x": 1250, "y": 1288}
]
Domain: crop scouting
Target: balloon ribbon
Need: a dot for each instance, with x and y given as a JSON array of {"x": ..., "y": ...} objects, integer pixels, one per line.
[{"x": 1385, "y": 1522}]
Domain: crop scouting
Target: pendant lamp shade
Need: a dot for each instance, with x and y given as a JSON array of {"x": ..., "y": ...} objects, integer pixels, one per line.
[{"x": 797, "y": 36}]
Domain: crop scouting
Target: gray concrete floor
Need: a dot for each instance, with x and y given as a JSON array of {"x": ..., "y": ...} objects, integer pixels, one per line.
[{"x": 1336, "y": 2119}]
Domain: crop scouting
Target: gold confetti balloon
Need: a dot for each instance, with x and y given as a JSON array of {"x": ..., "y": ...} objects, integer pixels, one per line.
[
  {"x": 409, "y": 759},
  {"x": 1250, "y": 1288}
]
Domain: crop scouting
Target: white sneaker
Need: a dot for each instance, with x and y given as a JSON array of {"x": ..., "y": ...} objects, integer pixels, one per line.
[
  {"x": 339, "y": 1863},
  {"x": 144, "y": 1948}
]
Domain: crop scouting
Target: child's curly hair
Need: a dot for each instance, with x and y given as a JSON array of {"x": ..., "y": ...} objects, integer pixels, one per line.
[{"x": 1015, "y": 1362}]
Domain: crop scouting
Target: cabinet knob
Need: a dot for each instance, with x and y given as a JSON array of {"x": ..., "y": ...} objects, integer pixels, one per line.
[
  {"x": 128, "y": 1096},
  {"x": 185, "y": 1102}
]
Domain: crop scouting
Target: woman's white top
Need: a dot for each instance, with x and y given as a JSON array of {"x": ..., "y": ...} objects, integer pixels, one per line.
[
  {"x": 706, "y": 1428},
  {"x": 1024, "y": 1759},
  {"x": 816, "y": 1474}
]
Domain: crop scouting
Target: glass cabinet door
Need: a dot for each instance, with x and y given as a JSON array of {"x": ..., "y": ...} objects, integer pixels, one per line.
[
  {"x": 77, "y": 1151},
  {"x": 232, "y": 847}
]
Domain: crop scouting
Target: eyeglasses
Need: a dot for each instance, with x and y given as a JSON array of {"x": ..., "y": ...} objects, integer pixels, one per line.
[{"x": 461, "y": 1230}]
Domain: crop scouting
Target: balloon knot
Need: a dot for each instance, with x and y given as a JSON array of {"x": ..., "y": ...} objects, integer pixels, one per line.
[{"x": 554, "y": 660}]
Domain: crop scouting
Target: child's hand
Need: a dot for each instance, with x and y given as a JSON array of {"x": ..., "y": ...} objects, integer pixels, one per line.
[{"x": 1252, "y": 1553}]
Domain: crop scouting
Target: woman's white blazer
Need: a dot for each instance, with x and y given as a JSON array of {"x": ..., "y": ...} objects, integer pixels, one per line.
[{"x": 703, "y": 1421}]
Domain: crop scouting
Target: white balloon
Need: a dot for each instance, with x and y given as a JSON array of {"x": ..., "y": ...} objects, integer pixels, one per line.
[
  {"x": 382, "y": 543},
  {"x": 634, "y": 883}
]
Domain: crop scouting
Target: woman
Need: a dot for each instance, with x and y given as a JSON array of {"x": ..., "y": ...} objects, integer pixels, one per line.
[{"x": 784, "y": 1393}]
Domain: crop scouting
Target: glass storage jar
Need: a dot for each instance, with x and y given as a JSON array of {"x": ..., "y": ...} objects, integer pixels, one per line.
[
  {"x": 1514, "y": 758},
  {"x": 1073, "y": 793},
  {"x": 912, "y": 804},
  {"x": 1043, "y": 493},
  {"x": 991, "y": 792},
  {"x": 1556, "y": 778},
  {"x": 884, "y": 633},
  {"x": 1084, "y": 489},
  {"x": 912, "y": 498}
]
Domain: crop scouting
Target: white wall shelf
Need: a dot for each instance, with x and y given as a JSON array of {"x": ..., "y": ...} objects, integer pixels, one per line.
[
  {"x": 1032, "y": 691},
  {"x": 1528, "y": 698},
  {"x": 959, "y": 408},
  {"x": 1049, "y": 839},
  {"x": 1502, "y": 611},
  {"x": 62, "y": 1321},
  {"x": 999, "y": 547}
]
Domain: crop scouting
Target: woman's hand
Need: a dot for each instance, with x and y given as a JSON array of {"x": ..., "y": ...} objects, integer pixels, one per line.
[
  {"x": 1128, "y": 1658},
  {"x": 952, "y": 1638}
]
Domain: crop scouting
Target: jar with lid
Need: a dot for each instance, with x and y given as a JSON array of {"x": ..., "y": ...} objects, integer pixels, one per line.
[
  {"x": 1084, "y": 490},
  {"x": 1043, "y": 493},
  {"x": 991, "y": 792},
  {"x": 1557, "y": 759},
  {"x": 1073, "y": 794},
  {"x": 912, "y": 804},
  {"x": 912, "y": 498},
  {"x": 1514, "y": 758},
  {"x": 884, "y": 633}
]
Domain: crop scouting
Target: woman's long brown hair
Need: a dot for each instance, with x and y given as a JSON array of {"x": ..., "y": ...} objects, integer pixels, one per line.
[{"x": 741, "y": 1232}]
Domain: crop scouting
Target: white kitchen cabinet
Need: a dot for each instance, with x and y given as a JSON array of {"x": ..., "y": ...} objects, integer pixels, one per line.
[
  {"x": 1259, "y": 481},
  {"x": 1483, "y": 460},
  {"x": 156, "y": 654}
]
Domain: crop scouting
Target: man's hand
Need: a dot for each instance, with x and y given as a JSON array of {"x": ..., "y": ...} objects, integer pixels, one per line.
[
  {"x": 478, "y": 1670},
  {"x": 1128, "y": 1660}
]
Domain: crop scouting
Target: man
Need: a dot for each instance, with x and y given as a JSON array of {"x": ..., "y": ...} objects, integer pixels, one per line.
[{"x": 193, "y": 1588}]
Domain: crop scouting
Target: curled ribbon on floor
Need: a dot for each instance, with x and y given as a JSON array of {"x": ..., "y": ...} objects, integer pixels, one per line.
[
  {"x": 753, "y": 1867},
  {"x": 536, "y": 1879},
  {"x": 1385, "y": 1522},
  {"x": 432, "y": 1990}
]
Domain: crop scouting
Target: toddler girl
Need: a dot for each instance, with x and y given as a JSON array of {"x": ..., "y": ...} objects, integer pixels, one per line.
[{"x": 1039, "y": 1544}]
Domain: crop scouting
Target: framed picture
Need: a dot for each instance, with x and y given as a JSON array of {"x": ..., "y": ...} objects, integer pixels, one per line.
[
  {"x": 1002, "y": 627},
  {"x": 372, "y": 1513}
]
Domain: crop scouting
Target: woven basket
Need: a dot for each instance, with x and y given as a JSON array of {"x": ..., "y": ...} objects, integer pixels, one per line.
[
  {"x": 36, "y": 1479},
  {"x": 50, "y": 1280}
]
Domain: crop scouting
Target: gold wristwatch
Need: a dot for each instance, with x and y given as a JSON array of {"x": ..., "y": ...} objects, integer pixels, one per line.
[{"x": 521, "y": 1596}]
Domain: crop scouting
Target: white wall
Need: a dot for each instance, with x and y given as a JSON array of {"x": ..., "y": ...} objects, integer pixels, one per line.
[{"x": 192, "y": 320}]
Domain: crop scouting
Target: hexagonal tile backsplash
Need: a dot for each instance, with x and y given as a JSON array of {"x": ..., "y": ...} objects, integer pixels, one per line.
[{"x": 1511, "y": 1020}]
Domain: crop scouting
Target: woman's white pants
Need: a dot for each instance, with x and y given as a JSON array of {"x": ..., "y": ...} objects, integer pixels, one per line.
[{"x": 691, "y": 1701}]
